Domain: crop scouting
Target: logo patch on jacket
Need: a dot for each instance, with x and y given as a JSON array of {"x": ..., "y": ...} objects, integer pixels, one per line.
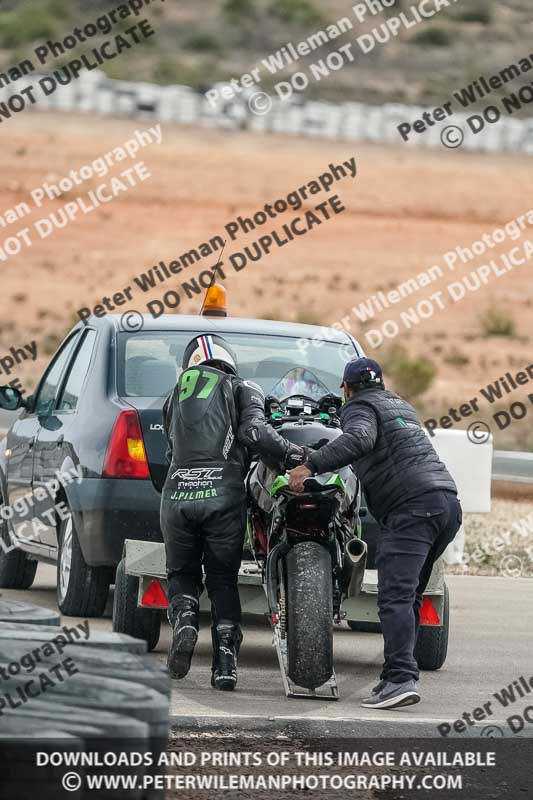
[{"x": 230, "y": 438}]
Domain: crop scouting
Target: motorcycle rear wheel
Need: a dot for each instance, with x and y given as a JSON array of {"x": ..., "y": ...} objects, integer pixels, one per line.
[{"x": 309, "y": 614}]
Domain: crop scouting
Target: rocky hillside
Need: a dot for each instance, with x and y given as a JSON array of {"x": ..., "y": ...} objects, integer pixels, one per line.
[{"x": 199, "y": 42}]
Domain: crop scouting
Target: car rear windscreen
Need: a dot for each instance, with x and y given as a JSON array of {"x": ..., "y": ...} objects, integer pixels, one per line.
[{"x": 149, "y": 362}]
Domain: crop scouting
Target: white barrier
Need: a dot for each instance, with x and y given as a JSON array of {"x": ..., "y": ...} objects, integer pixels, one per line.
[
  {"x": 93, "y": 92},
  {"x": 470, "y": 465}
]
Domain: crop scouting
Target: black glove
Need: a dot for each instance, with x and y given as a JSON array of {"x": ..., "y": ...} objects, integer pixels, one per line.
[{"x": 295, "y": 456}]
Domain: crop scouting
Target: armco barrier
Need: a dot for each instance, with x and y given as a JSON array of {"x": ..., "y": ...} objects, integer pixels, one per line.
[{"x": 94, "y": 93}]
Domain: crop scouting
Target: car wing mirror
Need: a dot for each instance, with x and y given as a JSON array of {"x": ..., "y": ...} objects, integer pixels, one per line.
[{"x": 11, "y": 399}]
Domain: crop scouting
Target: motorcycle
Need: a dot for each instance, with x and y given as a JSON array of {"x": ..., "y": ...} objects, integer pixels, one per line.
[{"x": 308, "y": 546}]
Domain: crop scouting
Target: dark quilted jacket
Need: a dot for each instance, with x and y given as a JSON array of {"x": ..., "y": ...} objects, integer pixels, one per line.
[{"x": 391, "y": 455}]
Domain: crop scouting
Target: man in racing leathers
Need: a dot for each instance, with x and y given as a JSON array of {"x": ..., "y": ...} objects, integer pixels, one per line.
[
  {"x": 214, "y": 422},
  {"x": 414, "y": 499}
]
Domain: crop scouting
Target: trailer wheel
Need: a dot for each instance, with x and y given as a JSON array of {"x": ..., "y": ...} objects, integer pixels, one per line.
[
  {"x": 310, "y": 614},
  {"x": 432, "y": 643},
  {"x": 140, "y": 623}
]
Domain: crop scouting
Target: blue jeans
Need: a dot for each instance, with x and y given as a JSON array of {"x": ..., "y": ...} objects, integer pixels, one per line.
[{"x": 413, "y": 536}]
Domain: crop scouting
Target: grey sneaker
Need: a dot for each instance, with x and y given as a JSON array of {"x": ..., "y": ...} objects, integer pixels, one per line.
[
  {"x": 393, "y": 695},
  {"x": 377, "y": 689}
]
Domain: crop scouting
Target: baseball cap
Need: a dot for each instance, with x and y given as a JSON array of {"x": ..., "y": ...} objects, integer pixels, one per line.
[{"x": 357, "y": 369}]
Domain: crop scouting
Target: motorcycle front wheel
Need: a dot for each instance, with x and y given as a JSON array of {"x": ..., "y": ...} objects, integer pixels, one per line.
[{"x": 309, "y": 599}]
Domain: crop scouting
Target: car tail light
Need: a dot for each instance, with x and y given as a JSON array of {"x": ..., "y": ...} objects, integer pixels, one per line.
[
  {"x": 126, "y": 456},
  {"x": 154, "y": 596},
  {"x": 428, "y": 613}
]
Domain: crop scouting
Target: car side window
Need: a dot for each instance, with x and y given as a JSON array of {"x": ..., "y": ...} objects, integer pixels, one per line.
[
  {"x": 78, "y": 371},
  {"x": 46, "y": 397}
]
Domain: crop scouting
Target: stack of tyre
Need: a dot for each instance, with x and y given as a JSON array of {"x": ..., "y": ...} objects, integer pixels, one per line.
[{"x": 114, "y": 708}]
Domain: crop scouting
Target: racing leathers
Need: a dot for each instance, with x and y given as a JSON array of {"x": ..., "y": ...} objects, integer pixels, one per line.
[{"x": 215, "y": 424}]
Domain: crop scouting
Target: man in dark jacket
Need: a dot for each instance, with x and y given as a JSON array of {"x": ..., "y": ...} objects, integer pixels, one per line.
[
  {"x": 214, "y": 422},
  {"x": 413, "y": 497}
]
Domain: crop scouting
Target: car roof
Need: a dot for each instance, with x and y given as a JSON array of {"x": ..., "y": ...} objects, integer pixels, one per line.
[{"x": 220, "y": 325}]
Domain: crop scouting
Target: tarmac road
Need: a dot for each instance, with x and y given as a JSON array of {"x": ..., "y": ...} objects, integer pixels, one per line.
[{"x": 490, "y": 646}]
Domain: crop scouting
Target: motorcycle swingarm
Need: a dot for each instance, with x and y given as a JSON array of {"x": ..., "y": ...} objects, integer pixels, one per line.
[{"x": 328, "y": 691}]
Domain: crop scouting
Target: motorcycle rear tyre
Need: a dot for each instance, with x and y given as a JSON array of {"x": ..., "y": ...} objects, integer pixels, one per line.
[{"x": 309, "y": 614}]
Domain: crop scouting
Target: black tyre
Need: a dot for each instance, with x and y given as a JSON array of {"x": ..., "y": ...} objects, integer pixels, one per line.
[
  {"x": 82, "y": 591},
  {"x": 106, "y": 695},
  {"x": 21, "y": 613},
  {"x": 98, "y": 661},
  {"x": 105, "y": 640},
  {"x": 127, "y": 616},
  {"x": 432, "y": 643},
  {"x": 309, "y": 614},
  {"x": 364, "y": 627},
  {"x": 16, "y": 570}
]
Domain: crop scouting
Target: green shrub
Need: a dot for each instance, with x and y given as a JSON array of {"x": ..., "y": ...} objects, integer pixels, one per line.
[
  {"x": 496, "y": 322},
  {"x": 433, "y": 37},
  {"x": 456, "y": 358},
  {"x": 411, "y": 377},
  {"x": 478, "y": 12},
  {"x": 235, "y": 10},
  {"x": 172, "y": 71},
  {"x": 26, "y": 26},
  {"x": 202, "y": 42},
  {"x": 296, "y": 12},
  {"x": 60, "y": 8}
]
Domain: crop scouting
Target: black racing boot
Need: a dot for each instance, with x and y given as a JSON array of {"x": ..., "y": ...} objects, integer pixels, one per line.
[
  {"x": 184, "y": 619},
  {"x": 227, "y": 638}
]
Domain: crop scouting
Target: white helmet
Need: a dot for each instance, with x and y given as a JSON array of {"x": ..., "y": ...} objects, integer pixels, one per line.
[{"x": 209, "y": 349}]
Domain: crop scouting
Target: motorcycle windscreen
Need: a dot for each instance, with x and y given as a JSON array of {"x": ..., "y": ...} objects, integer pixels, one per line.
[{"x": 299, "y": 381}]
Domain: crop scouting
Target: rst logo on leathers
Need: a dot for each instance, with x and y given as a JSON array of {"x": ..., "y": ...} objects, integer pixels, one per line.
[
  {"x": 198, "y": 474},
  {"x": 196, "y": 478}
]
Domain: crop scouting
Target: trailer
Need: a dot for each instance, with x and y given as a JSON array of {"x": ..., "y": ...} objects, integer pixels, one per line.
[
  {"x": 140, "y": 597},
  {"x": 140, "y": 603}
]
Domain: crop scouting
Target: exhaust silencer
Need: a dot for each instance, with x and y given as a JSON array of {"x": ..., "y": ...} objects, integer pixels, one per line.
[{"x": 356, "y": 553}]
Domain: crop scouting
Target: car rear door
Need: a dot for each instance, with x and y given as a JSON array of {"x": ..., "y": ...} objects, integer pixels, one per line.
[
  {"x": 57, "y": 437},
  {"x": 21, "y": 443}
]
